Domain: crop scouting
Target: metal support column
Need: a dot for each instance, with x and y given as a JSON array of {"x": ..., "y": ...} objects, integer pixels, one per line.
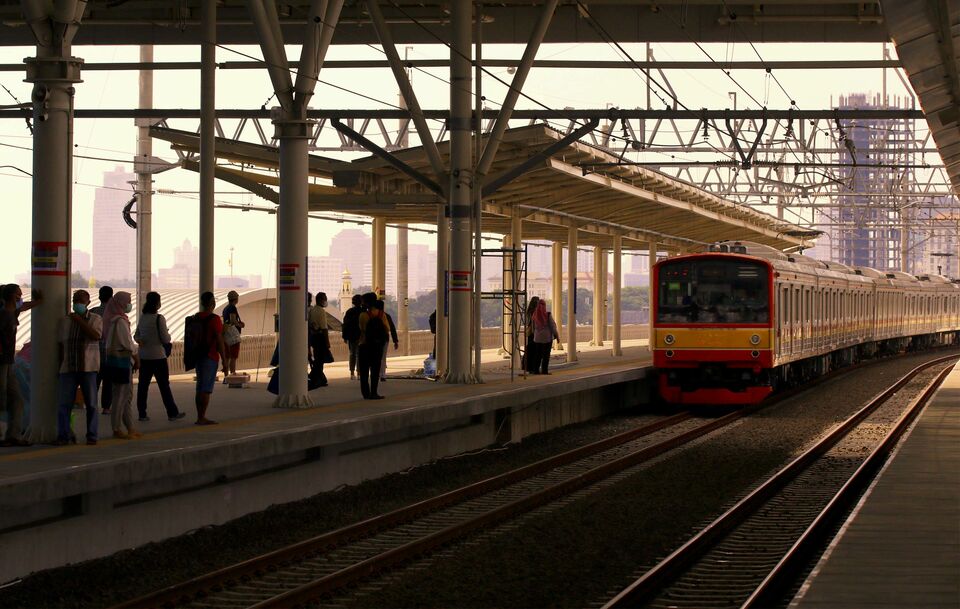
[
  {"x": 572, "y": 294},
  {"x": 556, "y": 287},
  {"x": 379, "y": 270},
  {"x": 443, "y": 257},
  {"x": 506, "y": 313},
  {"x": 292, "y": 251},
  {"x": 143, "y": 169},
  {"x": 403, "y": 288},
  {"x": 460, "y": 193},
  {"x": 651, "y": 260},
  {"x": 598, "y": 297},
  {"x": 53, "y": 73},
  {"x": 604, "y": 291},
  {"x": 617, "y": 283},
  {"x": 208, "y": 133}
]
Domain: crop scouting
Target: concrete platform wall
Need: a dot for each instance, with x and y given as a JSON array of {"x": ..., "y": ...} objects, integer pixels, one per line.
[{"x": 70, "y": 516}]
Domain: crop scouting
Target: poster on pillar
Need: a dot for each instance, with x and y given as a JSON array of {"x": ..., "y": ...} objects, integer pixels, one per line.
[
  {"x": 288, "y": 276},
  {"x": 49, "y": 258},
  {"x": 460, "y": 281}
]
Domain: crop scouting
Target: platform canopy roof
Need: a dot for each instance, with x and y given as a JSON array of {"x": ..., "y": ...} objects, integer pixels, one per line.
[
  {"x": 557, "y": 192},
  {"x": 505, "y": 21},
  {"x": 927, "y": 33}
]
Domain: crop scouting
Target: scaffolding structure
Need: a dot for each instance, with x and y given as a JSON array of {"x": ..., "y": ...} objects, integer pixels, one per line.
[{"x": 513, "y": 295}]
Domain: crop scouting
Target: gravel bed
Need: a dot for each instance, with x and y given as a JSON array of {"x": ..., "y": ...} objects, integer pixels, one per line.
[
  {"x": 584, "y": 552},
  {"x": 128, "y": 574}
]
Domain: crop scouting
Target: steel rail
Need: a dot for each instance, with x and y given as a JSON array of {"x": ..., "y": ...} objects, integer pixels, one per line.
[
  {"x": 669, "y": 568},
  {"x": 775, "y": 584},
  {"x": 326, "y": 585},
  {"x": 173, "y": 595}
]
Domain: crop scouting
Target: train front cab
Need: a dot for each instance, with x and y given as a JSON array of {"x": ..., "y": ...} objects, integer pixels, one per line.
[{"x": 713, "y": 328}]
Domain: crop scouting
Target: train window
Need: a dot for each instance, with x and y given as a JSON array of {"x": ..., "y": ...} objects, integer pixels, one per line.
[{"x": 713, "y": 290}]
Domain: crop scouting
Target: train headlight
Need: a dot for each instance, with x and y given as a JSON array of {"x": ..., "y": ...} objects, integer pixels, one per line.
[
  {"x": 755, "y": 339},
  {"x": 669, "y": 339}
]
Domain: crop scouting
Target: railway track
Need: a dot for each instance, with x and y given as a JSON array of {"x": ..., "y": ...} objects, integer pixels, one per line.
[
  {"x": 751, "y": 555},
  {"x": 320, "y": 566}
]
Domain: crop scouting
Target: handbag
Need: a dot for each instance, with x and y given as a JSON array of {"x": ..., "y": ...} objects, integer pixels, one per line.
[
  {"x": 167, "y": 347},
  {"x": 327, "y": 356},
  {"x": 231, "y": 335}
]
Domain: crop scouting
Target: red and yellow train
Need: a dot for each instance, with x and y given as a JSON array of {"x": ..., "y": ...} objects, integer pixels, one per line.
[{"x": 732, "y": 324}]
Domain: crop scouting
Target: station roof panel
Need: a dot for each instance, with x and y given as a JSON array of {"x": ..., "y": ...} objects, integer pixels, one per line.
[{"x": 637, "y": 203}]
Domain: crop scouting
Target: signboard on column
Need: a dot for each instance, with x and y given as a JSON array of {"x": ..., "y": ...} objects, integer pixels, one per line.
[
  {"x": 288, "y": 276},
  {"x": 49, "y": 258}
]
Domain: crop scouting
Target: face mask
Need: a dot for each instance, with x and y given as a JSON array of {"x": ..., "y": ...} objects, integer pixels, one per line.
[
  {"x": 79, "y": 308},
  {"x": 128, "y": 308},
  {"x": 323, "y": 304},
  {"x": 19, "y": 303}
]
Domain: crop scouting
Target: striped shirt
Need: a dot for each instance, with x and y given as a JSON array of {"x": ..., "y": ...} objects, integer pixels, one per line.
[{"x": 80, "y": 352}]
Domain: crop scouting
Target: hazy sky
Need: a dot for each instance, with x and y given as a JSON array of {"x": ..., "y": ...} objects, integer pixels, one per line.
[{"x": 252, "y": 234}]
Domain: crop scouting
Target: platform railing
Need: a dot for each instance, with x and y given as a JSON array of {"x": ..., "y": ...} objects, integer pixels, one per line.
[{"x": 257, "y": 349}]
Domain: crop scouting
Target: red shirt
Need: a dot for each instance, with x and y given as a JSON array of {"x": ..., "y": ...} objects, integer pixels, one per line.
[{"x": 214, "y": 329}]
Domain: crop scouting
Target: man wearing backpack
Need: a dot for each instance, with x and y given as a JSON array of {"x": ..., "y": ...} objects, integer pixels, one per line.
[
  {"x": 351, "y": 331},
  {"x": 208, "y": 350}
]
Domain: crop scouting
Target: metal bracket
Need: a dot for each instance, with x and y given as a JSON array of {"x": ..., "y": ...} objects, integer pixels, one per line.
[
  {"x": 508, "y": 176},
  {"x": 746, "y": 160},
  {"x": 386, "y": 156}
]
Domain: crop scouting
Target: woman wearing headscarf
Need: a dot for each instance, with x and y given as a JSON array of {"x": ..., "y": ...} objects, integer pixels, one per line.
[
  {"x": 544, "y": 333},
  {"x": 122, "y": 361},
  {"x": 530, "y": 361}
]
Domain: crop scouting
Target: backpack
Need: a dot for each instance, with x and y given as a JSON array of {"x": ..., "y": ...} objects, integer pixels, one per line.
[
  {"x": 351, "y": 325},
  {"x": 195, "y": 343},
  {"x": 376, "y": 332}
]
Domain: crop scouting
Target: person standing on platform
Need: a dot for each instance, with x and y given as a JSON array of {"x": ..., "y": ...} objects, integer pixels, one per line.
[
  {"x": 544, "y": 333},
  {"x": 232, "y": 329},
  {"x": 374, "y": 334},
  {"x": 106, "y": 394},
  {"x": 122, "y": 361},
  {"x": 155, "y": 344},
  {"x": 79, "y": 337},
  {"x": 319, "y": 338},
  {"x": 214, "y": 350},
  {"x": 386, "y": 346},
  {"x": 11, "y": 297},
  {"x": 351, "y": 331},
  {"x": 531, "y": 361}
]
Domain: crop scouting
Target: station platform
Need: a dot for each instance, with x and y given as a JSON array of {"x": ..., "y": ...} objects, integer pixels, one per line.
[
  {"x": 57, "y": 502},
  {"x": 901, "y": 546}
]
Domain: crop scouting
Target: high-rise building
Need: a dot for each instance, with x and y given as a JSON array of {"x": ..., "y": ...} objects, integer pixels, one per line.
[
  {"x": 114, "y": 243},
  {"x": 421, "y": 269},
  {"x": 80, "y": 262},
  {"x": 324, "y": 274},
  {"x": 187, "y": 255},
  {"x": 354, "y": 247}
]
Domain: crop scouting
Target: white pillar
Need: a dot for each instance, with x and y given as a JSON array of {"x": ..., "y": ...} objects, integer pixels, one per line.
[
  {"x": 617, "y": 283},
  {"x": 208, "y": 133},
  {"x": 443, "y": 234},
  {"x": 144, "y": 172},
  {"x": 651, "y": 261},
  {"x": 379, "y": 274},
  {"x": 292, "y": 260},
  {"x": 556, "y": 285},
  {"x": 460, "y": 192},
  {"x": 53, "y": 73},
  {"x": 403, "y": 296},
  {"x": 598, "y": 297},
  {"x": 604, "y": 290},
  {"x": 572, "y": 294}
]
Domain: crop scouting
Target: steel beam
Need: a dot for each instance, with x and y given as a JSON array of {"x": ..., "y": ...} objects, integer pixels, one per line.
[
  {"x": 406, "y": 90},
  {"x": 513, "y": 93},
  {"x": 264, "y": 17},
  {"x": 208, "y": 134},
  {"x": 571, "y": 294}
]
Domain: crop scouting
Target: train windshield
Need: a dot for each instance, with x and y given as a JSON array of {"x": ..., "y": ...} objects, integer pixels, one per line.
[{"x": 713, "y": 291}]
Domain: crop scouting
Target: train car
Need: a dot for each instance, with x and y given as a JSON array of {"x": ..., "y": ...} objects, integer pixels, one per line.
[{"x": 732, "y": 324}]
